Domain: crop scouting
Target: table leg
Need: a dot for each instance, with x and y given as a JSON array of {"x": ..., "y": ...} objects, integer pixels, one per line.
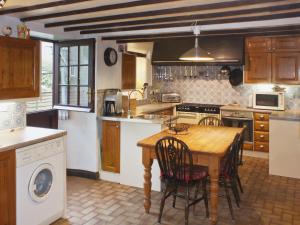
[
  {"x": 214, "y": 168},
  {"x": 147, "y": 162}
]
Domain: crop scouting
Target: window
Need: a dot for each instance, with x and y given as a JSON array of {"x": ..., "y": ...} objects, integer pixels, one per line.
[
  {"x": 74, "y": 75},
  {"x": 45, "y": 101}
]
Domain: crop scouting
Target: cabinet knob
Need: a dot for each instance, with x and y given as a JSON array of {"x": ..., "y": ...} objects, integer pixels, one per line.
[
  {"x": 262, "y": 136},
  {"x": 117, "y": 126},
  {"x": 262, "y": 126},
  {"x": 261, "y": 116},
  {"x": 261, "y": 146}
]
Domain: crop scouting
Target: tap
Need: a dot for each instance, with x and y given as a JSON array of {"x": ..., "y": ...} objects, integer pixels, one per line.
[{"x": 129, "y": 95}]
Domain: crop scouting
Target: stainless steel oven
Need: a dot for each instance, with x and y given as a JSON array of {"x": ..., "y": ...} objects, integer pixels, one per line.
[{"x": 239, "y": 119}]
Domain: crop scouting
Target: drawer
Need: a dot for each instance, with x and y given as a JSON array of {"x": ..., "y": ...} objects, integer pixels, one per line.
[
  {"x": 261, "y": 126},
  {"x": 261, "y": 136},
  {"x": 261, "y": 147},
  {"x": 261, "y": 116}
]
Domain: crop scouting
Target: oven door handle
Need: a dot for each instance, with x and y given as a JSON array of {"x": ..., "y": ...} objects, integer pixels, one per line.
[{"x": 237, "y": 118}]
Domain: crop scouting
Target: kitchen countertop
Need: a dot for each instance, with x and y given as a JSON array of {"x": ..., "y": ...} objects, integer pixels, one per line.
[
  {"x": 22, "y": 137},
  {"x": 290, "y": 115},
  {"x": 243, "y": 108},
  {"x": 142, "y": 110}
]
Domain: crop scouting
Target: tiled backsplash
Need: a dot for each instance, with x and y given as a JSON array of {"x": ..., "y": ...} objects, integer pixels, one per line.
[
  {"x": 215, "y": 89},
  {"x": 12, "y": 115}
]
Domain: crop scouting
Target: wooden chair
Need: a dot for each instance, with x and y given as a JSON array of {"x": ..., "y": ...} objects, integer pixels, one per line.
[
  {"x": 178, "y": 172},
  {"x": 210, "y": 121},
  {"x": 229, "y": 174}
]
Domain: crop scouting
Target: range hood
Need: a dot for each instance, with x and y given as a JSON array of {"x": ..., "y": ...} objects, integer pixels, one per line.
[{"x": 226, "y": 50}]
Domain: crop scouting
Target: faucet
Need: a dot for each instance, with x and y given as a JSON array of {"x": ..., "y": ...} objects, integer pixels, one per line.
[{"x": 129, "y": 95}]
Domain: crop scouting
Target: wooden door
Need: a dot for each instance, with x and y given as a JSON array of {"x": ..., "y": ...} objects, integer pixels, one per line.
[
  {"x": 258, "y": 67},
  {"x": 286, "y": 67},
  {"x": 20, "y": 68},
  {"x": 7, "y": 188},
  {"x": 290, "y": 44},
  {"x": 128, "y": 71},
  {"x": 111, "y": 146},
  {"x": 258, "y": 44}
]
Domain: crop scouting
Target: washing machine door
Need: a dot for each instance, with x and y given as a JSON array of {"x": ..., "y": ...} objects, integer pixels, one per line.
[{"x": 41, "y": 182}]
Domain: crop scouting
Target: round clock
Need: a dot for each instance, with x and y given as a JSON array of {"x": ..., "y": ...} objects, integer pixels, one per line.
[{"x": 110, "y": 56}]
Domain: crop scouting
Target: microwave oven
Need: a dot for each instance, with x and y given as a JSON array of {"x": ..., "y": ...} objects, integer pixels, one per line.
[{"x": 268, "y": 100}]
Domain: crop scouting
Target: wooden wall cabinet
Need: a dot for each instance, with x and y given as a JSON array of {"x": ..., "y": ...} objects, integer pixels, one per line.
[
  {"x": 20, "y": 68},
  {"x": 128, "y": 71},
  {"x": 110, "y": 155},
  {"x": 273, "y": 60},
  {"x": 7, "y": 188}
]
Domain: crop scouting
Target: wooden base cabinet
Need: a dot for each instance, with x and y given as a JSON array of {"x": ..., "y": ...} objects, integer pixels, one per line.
[
  {"x": 20, "y": 68},
  {"x": 110, "y": 151},
  {"x": 7, "y": 188},
  {"x": 261, "y": 132}
]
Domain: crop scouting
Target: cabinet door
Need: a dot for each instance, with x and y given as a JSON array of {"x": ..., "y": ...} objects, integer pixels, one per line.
[
  {"x": 289, "y": 44},
  {"x": 258, "y": 67},
  {"x": 128, "y": 71},
  {"x": 286, "y": 67},
  {"x": 7, "y": 188},
  {"x": 20, "y": 68},
  {"x": 258, "y": 44},
  {"x": 111, "y": 146}
]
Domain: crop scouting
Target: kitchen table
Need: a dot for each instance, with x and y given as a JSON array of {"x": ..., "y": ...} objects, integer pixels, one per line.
[{"x": 208, "y": 145}]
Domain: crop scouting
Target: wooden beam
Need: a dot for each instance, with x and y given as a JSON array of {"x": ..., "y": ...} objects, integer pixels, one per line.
[
  {"x": 187, "y": 18},
  {"x": 148, "y": 36},
  {"x": 96, "y": 9},
  {"x": 185, "y": 9},
  {"x": 204, "y": 22},
  {"x": 245, "y": 34},
  {"x": 40, "y": 6}
]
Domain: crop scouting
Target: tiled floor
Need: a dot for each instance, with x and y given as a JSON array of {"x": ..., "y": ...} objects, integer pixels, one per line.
[{"x": 267, "y": 200}]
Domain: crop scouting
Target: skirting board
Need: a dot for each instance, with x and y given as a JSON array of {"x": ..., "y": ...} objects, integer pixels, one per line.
[
  {"x": 83, "y": 173},
  {"x": 263, "y": 155}
]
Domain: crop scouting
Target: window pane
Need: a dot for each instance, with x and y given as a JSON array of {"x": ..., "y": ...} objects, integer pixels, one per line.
[
  {"x": 74, "y": 55},
  {"x": 63, "y": 95},
  {"x": 63, "y": 76},
  {"x": 64, "y": 56},
  {"x": 73, "y": 75},
  {"x": 84, "y": 75},
  {"x": 84, "y": 96},
  {"x": 73, "y": 95},
  {"x": 84, "y": 55}
]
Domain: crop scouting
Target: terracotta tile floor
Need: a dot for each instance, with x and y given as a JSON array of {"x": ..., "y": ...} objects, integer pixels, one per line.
[{"x": 267, "y": 200}]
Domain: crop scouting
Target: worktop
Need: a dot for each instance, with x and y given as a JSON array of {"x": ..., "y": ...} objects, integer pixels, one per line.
[
  {"x": 290, "y": 115},
  {"x": 22, "y": 137},
  {"x": 243, "y": 108}
]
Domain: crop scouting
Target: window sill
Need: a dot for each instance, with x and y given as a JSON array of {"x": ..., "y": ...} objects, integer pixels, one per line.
[{"x": 70, "y": 108}]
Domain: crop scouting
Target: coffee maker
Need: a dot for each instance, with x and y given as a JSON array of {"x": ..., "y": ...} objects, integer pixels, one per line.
[{"x": 112, "y": 102}]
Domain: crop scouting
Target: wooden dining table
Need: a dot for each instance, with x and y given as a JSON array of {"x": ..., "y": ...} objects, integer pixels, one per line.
[{"x": 208, "y": 144}]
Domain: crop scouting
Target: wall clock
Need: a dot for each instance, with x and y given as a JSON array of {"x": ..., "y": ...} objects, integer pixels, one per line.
[{"x": 110, "y": 56}]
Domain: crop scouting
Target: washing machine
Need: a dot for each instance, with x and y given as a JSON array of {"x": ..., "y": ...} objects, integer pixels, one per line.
[{"x": 41, "y": 182}]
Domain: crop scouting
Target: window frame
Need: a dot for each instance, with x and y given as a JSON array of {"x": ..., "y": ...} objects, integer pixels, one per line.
[{"x": 91, "y": 74}]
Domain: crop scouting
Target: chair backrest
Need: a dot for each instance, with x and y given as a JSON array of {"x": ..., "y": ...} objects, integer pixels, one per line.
[
  {"x": 231, "y": 161},
  {"x": 175, "y": 159},
  {"x": 211, "y": 121}
]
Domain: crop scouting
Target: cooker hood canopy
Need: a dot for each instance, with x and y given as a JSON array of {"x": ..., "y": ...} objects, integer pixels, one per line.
[{"x": 224, "y": 49}]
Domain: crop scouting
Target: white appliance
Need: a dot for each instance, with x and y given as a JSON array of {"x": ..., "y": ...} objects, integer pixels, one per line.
[
  {"x": 41, "y": 183},
  {"x": 268, "y": 100}
]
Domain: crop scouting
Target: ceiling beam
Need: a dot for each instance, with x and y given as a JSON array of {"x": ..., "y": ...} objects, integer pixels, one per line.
[
  {"x": 204, "y": 22},
  {"x": 96, "y": 9},
  {"x": 40, "y": 6},
  {"x": 185, "y": 9},
  {"x": 280, "y": 30},
  {"x": 187, "y": 18}
]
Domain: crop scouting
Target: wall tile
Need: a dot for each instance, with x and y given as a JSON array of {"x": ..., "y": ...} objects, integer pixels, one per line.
[{"x": 12, "y": 115}]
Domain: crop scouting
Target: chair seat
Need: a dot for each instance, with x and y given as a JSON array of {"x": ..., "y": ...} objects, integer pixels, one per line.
[{"x": 199, "y": 173}]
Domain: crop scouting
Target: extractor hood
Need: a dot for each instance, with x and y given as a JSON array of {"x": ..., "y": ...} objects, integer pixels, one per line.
[{"x": 226, "y": 50}]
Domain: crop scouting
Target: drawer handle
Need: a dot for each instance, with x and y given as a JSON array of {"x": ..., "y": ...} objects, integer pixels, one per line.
[
  {"x": 261, "y": 146},
  {"x": 262, "y": 136},
  {"x": 261, "y": 116},
  {"x": 262, "y": 126}
]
